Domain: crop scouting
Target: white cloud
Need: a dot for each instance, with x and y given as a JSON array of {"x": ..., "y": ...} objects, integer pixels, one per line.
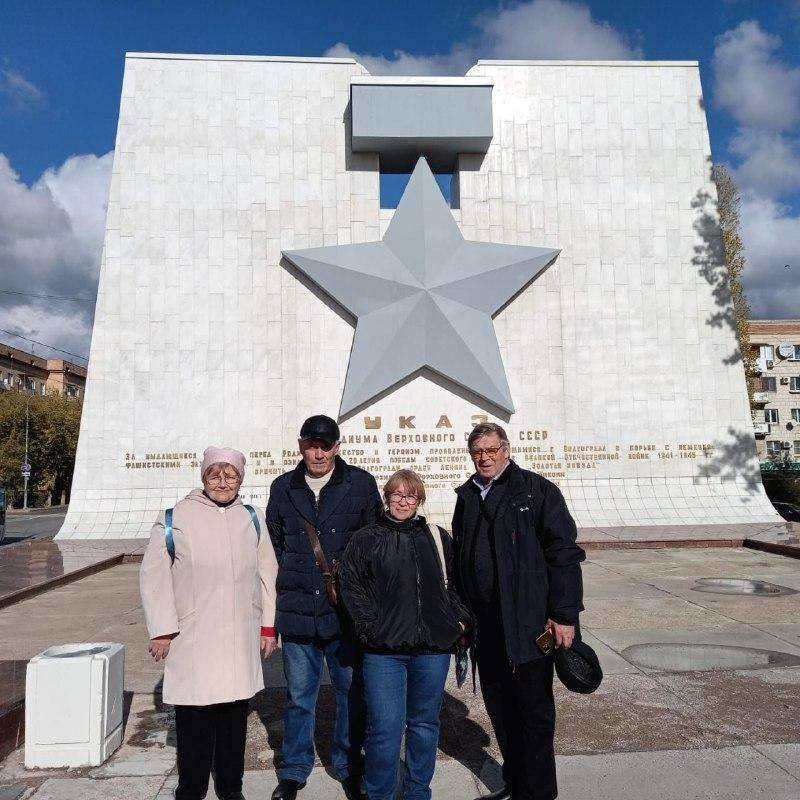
[
  {"x": 770, "y": 163},
  {"x": 540, "y": 29},
  {"x": 20, "y": 90},
  {"x": 762, "y": 94},
  {"x": 51, "y": 236},
  {"x": 552, "y": 29},
  {"x": 402, "y": 63},
  {"x": 772, "y": 242},
  {"x": 751, "y": 84}
]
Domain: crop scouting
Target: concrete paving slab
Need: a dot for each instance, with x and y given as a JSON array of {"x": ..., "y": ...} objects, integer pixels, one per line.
[
  {"x": 455, "y": 780},
  {"x": 260, "y": 783},
  {"x": 786, "y": 756},
  {"x": 737, "y": 772},
  {"x": 651, "y": 564},
  {"x": 627, "y": 559},
  {"x": 636, "y": 613},
  {"x": 139, "y": 788},
  {"x": 611, "y": 662},
  {"x": 731, "y": 634},
  {"x": 614, "y": 587},
  {"x": 625, "y": 712},
  {"x": 129, "y": 761},
  {"x": 753, "y": 610},
  {"x": 788, "y": 632},
  {"x": 740, "y": 707},
  {"x": 167, "y": 791}
]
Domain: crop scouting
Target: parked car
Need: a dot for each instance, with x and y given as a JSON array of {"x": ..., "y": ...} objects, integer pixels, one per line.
[{"x": 789, "y": 511}]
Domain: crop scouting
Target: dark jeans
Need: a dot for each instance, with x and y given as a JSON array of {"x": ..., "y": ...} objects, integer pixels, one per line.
[
  {"x": 211, "y": 736},
  {"x": 523, "y": 714},
  {"x": 403, "y": 694},
  {"x": 302, "y": 666}
]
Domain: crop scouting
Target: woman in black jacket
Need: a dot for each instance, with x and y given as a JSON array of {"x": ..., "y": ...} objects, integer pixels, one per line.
[{"x": 394, "y": 580}]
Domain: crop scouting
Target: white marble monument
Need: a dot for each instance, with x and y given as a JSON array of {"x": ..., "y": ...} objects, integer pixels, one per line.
[{"x": 617, "y": 359}]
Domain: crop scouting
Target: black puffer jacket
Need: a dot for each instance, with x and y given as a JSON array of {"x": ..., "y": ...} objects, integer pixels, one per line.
[
  {"x": 394, "y": 592},
  {"x": 347, "y": 502}
]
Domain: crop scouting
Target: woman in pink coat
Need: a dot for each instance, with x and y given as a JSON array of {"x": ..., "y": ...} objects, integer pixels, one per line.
[{"x": 208, "y": 592}]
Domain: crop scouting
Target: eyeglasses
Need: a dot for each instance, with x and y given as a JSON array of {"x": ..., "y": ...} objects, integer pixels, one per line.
[
  {"x": 222, "y": 478},
  {"x": 398, "y": 497},
  {"x": 489, "y": 452}
]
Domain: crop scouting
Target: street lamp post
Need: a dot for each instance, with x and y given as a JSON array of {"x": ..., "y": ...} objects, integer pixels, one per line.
[{"x": 26, "y": 468}]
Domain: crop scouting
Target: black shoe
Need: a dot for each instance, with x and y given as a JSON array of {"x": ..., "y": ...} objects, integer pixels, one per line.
[
  {"x": 287, "y": 789},
  {"x": 354, "y": 788},
  {"x": 500, "y": 794}
]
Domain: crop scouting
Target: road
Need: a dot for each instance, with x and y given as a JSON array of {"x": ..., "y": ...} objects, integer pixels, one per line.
[{"x": 39, "y": 522}]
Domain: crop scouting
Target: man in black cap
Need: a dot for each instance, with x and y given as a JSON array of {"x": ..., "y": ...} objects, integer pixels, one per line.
[
  {"x": 312, "y": 512},
  {"x": 518, "y": 566}
]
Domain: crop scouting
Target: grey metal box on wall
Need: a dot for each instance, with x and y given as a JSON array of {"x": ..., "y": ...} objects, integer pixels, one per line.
[{"x": 402, "y": 118}]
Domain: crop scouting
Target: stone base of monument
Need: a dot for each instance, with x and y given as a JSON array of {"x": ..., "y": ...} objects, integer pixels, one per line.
[{"x": 73, "y": 705}]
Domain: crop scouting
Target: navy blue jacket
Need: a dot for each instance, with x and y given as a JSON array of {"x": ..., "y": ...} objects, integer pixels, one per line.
[
  {"x": 538, "y": 560},
  {"x": 349, "y": 501}
]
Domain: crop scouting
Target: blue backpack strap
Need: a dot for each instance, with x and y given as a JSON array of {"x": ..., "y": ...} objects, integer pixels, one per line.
[
  {"x": 254, "y": 517},
  {"x": 169, "y": 541}
]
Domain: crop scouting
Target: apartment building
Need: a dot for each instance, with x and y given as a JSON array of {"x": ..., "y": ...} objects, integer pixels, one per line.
[
  {"x": 25, "y": 372},
  {"x": 776, "y": 399}
]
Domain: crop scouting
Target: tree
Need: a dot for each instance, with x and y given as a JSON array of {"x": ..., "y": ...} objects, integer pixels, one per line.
[
  {"x": 728, "y": 202},
  {"x": 53, "y": 425}
]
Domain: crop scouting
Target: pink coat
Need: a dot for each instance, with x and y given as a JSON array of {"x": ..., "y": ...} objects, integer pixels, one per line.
[{"x": 217, "y": 595}]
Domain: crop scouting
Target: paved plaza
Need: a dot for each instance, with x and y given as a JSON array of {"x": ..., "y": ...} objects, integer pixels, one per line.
[{"x": 700, "y": 700}]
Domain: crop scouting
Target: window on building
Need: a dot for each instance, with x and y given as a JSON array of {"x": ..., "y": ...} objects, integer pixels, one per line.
[
  {"x": 769, "y": 384},
  {"x": 796, "y": 415},
  {"x": 797, "y": 447},
  {"x": 767, "y": 352},
  {"x": 796, "y": 355},
  {"x": 794, "y": 384},
  {"x": 771, "y": 415},
  {"x": 773, "y": 448}
]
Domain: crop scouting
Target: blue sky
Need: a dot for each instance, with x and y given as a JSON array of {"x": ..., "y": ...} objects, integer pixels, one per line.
[{"x": 61, "y": 70}]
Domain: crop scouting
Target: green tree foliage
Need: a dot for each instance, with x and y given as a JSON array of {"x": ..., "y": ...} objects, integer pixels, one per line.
[
  {"x": 728, "y": 202},
  {"x": 53, "y": 428}
]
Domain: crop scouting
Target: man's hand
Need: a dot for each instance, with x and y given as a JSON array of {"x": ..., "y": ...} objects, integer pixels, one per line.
[
  {"x": 269, "y": 644},
  {"x": 563, "y": 634},
  {"x": 159, "y": 647}
]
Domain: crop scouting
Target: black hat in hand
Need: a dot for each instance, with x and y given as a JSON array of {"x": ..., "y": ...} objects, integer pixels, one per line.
[{"x": 578, "y": 667}]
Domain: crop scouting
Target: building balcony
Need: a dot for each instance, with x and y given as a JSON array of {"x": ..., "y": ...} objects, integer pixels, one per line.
[
  {"x": 760, "y": 398},
  {"x": 761, "y": 428}
]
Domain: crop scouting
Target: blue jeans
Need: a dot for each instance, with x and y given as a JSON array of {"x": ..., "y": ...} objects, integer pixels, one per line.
[
  {"x": 302, "y": 666},
  {"x": 403, "y": 693}
]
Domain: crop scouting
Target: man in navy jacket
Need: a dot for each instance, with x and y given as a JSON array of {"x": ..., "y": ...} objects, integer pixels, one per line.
[
  {"x": 518, "y": 567},
  {"x": 336, "y": 499}
]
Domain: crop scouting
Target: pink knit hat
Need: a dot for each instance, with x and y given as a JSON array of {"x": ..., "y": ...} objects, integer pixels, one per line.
[{"x": 223, "y": 455}]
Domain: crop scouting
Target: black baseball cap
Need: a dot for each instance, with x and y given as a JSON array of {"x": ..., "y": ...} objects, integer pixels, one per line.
[{"x": 320, "y": 427}]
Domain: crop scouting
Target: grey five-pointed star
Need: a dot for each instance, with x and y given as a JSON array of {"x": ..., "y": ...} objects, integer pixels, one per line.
[{"x": 423, "y": 297}]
